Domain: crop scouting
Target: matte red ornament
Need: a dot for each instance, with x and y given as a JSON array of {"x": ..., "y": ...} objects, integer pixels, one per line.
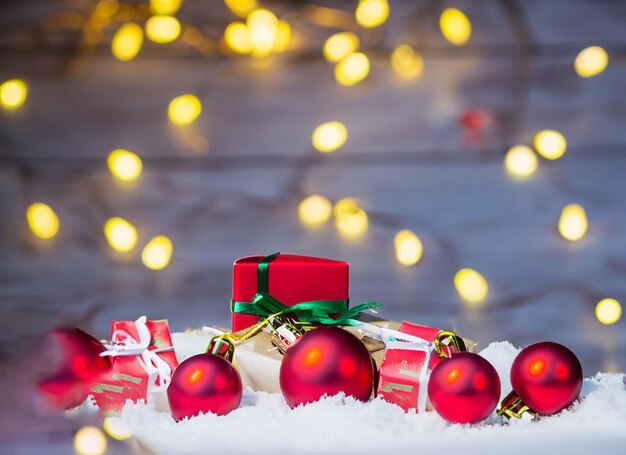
[
  {"x": 547, "y": 377},
  {"x": 326, "y": 361},
  {"x": 464, "y": 388},
  {"x": 204, "y": 383},
  {"x": 79, "y": 368}
]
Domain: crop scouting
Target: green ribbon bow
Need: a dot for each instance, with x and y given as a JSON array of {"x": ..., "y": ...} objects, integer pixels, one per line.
[{"x": 314, "y": 311}]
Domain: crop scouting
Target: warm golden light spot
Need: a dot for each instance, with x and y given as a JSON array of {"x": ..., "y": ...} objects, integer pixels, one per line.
[
  {"x": 536, "y": 368},
  {"x": 241, "y": 7},
  {"x": 350, "y": 220},
  {"x": 314, "y": 210},
  {"x": 42, "y": 220},
  {"x": 406, "y": 62},
  {"x": 263, "y": 27},
  {"x": 313, "y": 357},
  {"x": 345, "y": 206},
  {"x": 184, "y": 110},
  {"x": 471, "y": 286},
  {"x": 283, "y": 37},
  {"x": 520, "y": 161},
  {"x": 121, "y": 234},
  {"x": 237, "y": 37},
  {"x": 591, "y": 61},
  {"x": 409, "y": 248},
  {"x": 124, "y": 165},
  {"x": 550, "y": 144},
  {"x": 454, "y": 375},
  {"x": 90, "y": 441},
  {"x": 167, "y": 7},
  {"x": 127, "y": 41},
  {"x": 114, "y": 427},
  {"x": 455, "y": 26},
  {"x": 106, "y": 8},
  {"x": 157, "y": 253},
  {"x": 573, "y": 222},
  {"x": 329, "y": 136},
  {"x": 162, "y": 29},
  {"x": 352, "y": 69},
  {"x": 608, "y": 311},
  {"x": 371, "y": 13},
  {"x": 340, "y": 45},
  {"x": 195, "y": 376},
  {"x": 13, "y": 93}
]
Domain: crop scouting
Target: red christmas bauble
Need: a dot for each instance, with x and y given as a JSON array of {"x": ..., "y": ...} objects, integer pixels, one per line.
[
  {"x": 326, "y": 361},
  {"x": 204, "y": 383},
  {"x": 79, "y": 368},
  {"x": 464, "y": 388},
  {"x": 547, "y": 377}
]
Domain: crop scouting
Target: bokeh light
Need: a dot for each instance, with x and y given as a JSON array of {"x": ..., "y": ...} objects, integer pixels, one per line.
[
  {"x": 352, "y": 69},
  {"x": 350, "y": 220},
  {"x": 283, "y": 37},
  {"x": 406, "y": 62},
  {"x": 124, "y": 165},
  {"x": 127, "y": 41},
  {"x": 520, "y": 161},
  {"x": 550, "y": 144},
  {"x": 591, "y": 61},
  {"x": 121, "y": 234},
  {"x": 165, "y": 6},
  {"x": 339, "y": 45},
  {"x": 573, "y": 222},
  {"x": 90, "y": 441},
  {"x": 409, "y": 248},
  {"x": 13, "y": 93},
  {"x": 455, "y": 26},
  {"x": 329, "y": 136},
  {"x": 237, "y": 37},
  {"x": 471, "y": 286},
  {"x": 184, "y": 109},
  {"x": 263, "y": 27},
  {"x": 371, "y": 13},
  {"x": 608, "y": 311},
  {"x": 241, "y": 7},
  {"x": 314, "y": 210},
  {"x": 114, "y": 427},
  {"x": 42, "y": 220},
  {"x": 157, "y": 253},
  {"x": 162, "y": 29}
]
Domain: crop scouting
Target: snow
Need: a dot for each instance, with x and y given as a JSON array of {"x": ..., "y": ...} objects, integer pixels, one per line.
[{"x": 338, "y": 424}]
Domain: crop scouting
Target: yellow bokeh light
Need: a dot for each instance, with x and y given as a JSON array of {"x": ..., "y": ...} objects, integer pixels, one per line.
[
  {"x": 283, "y": 37},
  {"x": 352, "y": 69},
  {"x": 114, "y": 427},
  {"x": 520, "y": 161},
  {"x": 13, "y": 93},
  {"x": 455, "y": 26},
  {"x": 165, "y": 6},
  {"x": 121, "y": 234},
  {"x": 340, "y": 45},
  {"x": 314, "y": 210},
  {"x": 573, "y": 222},
  {"x": 184, "y": 110},
  {"x": 237, "y": 37},
  {"x": 471, "y": 286},
  {"x": 42, "y": 220},
  {"x": 351, "y": 220},
  {"x": 409, "y": 248},
  {"x": 241, "y": 7},
  {"x": 371, "y": 13},
  {"x": 106, "y": 8},
  {"x": 263, "y": 27},
  {"x": 329, "y": 136},
  {"x": 345, "y": 206},
  {"x": 162, "y": 29},
  {"x": 550, "y": 144},
  {"x": 124, "y": 165},
  {"x": 157, "y": 253},
  {"x": 127, "y": 41},
  {"x": 90, "y": 441},
  {"x": 406, "y": 62},
  {"x": 608, "y": 311},
  {"x": 591, "y": 61}
]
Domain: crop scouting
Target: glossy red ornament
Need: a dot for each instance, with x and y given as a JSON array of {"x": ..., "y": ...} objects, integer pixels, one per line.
[
  {"x": 547, "y": 377},
  {"x": 464, "y": 388},
  {"x": 79, "y": 368},
  {"x": 204, "y": 383},
  {"x": 326, "y": 361}
]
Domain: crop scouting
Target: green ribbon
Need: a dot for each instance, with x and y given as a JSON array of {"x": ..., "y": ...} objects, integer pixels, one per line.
[{"x": 314, "y": 311}]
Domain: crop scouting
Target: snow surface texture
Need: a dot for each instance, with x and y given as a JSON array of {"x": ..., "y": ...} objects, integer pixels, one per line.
[{"x": 264, "y": 423}]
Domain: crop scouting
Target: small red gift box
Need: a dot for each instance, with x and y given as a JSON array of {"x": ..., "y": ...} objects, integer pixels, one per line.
[
  {"x": 406, "y": 367},
  {"x": 290, "y": 279},
  {"x": 143, "y": 361}
]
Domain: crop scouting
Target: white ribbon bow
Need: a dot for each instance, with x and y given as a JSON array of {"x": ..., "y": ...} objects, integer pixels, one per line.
[{"x": 122, "y": 343}]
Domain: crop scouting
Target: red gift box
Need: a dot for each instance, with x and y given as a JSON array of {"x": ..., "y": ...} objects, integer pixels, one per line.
[
  {"x": 143, "y": 361},
  {"x": 406, "y": 367},
  {"x": 291, "y": 279}
]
